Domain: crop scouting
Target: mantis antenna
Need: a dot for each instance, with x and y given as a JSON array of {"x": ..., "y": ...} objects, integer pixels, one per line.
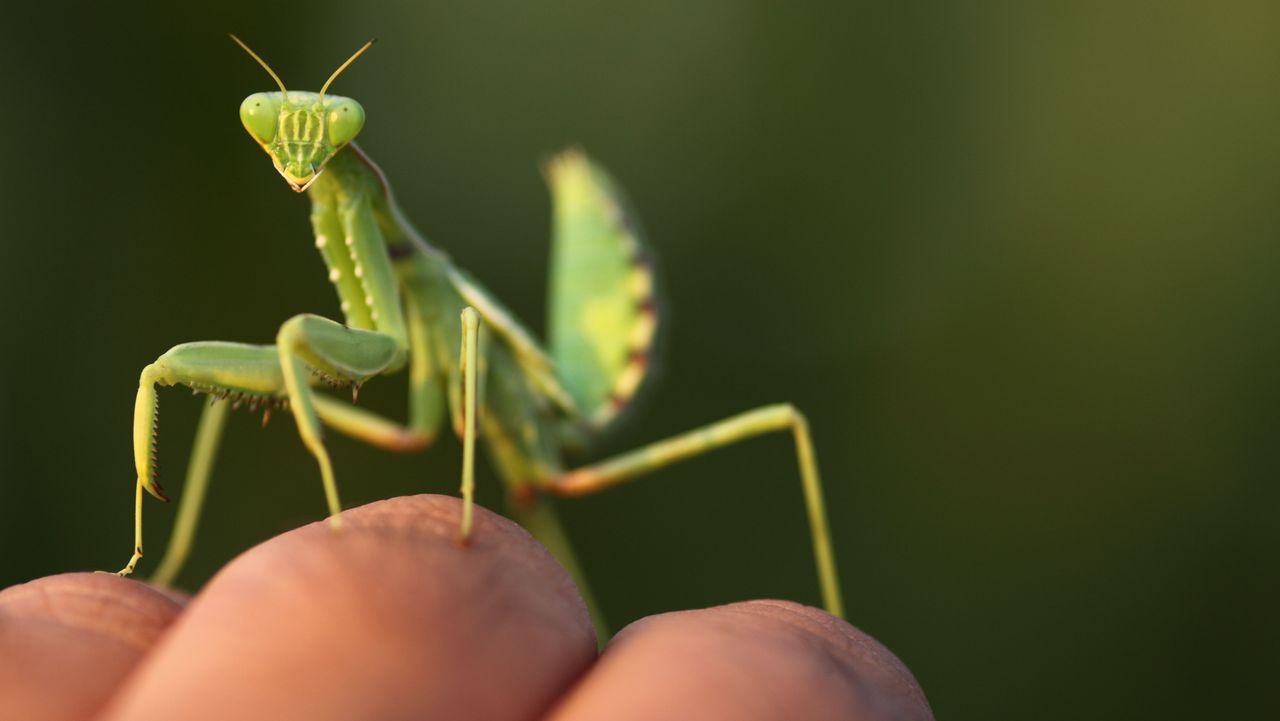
[
  {"x": 266, "y": 67},
  {"x": 337, "y": 72}
]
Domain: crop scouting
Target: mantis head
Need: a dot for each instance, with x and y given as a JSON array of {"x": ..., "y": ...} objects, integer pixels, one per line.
[{"x": 301, "y": 131}]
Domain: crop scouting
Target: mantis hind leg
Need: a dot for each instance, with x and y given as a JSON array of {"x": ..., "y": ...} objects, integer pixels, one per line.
[{"x": 766, "y": 419}]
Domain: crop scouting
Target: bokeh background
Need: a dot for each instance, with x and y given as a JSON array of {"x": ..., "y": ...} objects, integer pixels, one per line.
[{"x": 1019, "y": 263}]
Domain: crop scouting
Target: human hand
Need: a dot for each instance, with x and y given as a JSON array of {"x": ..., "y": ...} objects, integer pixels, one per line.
[{"x": 392, "y": 619}]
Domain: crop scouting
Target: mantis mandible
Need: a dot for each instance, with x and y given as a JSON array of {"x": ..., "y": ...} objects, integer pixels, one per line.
[{"x": 470, "y": 362}]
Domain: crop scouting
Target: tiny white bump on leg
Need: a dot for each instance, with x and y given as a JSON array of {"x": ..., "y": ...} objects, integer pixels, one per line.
[
  {"x": 345, "y": 306},
  {"x": 350, "y": 241},
  {"x": 335, "y": 275},
  {"x": 321, "y": 241},
  {"x": 373, "y": 315},
  {"x": 368, "y": 299},
  {"x": 359, "y": 271}
]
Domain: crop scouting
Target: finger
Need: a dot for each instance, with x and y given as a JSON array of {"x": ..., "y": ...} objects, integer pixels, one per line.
[
  {"x": 387, "y": 618},
  {"x": 67, "y": 641},
  {"x": 760, "y": 660}
]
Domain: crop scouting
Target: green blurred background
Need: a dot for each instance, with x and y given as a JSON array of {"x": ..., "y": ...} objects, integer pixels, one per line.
[{"x": 1018, "y": 262}]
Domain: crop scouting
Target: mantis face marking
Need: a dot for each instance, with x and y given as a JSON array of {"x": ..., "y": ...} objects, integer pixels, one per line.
[{"x": 301, "y": 131}]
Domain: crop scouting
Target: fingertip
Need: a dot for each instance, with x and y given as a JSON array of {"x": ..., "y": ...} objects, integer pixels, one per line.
[
  {"x": 387, "y": 617},
  {"x": 102, "y": 605},
  {"x": 93, "y": 628},
  {"x": 752, "y": 660},
  {"x": 861, "y": 656}
]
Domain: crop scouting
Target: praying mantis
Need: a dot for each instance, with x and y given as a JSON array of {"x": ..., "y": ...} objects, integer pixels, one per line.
[{"x": 471, "y": 364}]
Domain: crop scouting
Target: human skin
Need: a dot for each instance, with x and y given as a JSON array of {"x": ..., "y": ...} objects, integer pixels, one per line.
[{"x": 390, "y": 618}]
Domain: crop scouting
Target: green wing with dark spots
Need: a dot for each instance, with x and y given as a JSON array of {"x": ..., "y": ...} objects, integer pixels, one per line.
[{"x": 602, "y": 315}]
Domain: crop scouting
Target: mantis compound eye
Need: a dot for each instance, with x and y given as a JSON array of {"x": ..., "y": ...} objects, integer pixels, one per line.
[
  {"x": 345, "y": 119},
  {"x": 260, "y": 114}
]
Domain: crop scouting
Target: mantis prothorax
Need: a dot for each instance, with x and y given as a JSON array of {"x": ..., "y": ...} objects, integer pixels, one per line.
[{"x": 405, "y": 303}]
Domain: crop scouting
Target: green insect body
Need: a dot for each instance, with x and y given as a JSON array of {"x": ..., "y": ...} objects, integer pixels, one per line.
[{"x": 471, "y": 364}]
